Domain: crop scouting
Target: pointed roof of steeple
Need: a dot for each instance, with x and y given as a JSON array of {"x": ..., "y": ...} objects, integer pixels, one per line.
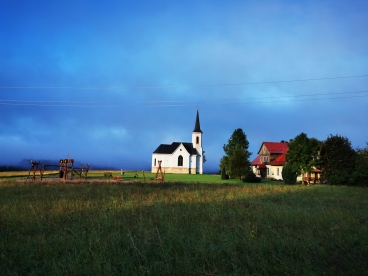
[{"x": 197, "y": 127}]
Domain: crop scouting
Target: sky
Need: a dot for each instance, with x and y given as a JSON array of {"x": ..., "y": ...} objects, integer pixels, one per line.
[{"x": 107, "y": 82}]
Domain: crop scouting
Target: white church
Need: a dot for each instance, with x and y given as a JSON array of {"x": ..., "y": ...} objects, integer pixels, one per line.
[{"x": 181, "y": 157}]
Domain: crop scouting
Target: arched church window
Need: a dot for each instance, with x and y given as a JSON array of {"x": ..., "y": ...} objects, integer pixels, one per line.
[
  {"x": 197, "y": 140},
  {"x": 180, "y": 160},
  {"x": 155, "y": 162}
]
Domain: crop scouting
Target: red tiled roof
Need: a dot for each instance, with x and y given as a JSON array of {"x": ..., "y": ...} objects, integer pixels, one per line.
[
  {"x": 256, "y": 161},
  {"x": 275, "y": 147},
  {"x": 280, "y": 161}
]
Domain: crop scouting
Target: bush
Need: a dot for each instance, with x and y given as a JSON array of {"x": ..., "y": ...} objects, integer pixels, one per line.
[
  {"x": 251, "y": 178},
  {"x": 288, "y": 174},
  {"x": 224, "y": 176}
]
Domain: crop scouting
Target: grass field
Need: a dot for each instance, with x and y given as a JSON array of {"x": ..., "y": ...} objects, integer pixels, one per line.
[
  {"x": 128, "y": 175},
  {"x": 182, "y": 228}
]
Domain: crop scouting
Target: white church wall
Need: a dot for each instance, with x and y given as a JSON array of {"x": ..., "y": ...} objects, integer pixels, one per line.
[
  {"x": 199, "y": 168},
  {"x": 165, "y": 158},
  {"x": 180, "y": 151},
  {"x": 170, "y": 161},
  {"x": 191, "y": 163}
]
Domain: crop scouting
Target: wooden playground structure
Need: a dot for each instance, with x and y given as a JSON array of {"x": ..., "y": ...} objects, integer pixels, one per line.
[
  {"x": 68, "y": 172},
  {"x": 66, "y": 168}
]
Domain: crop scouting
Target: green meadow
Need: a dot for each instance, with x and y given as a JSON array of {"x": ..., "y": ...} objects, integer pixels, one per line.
[{"x": 189, "y": 225}]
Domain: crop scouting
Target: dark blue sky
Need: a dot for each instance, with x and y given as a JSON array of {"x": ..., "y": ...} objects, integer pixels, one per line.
[{"x": 109, "y": 81}]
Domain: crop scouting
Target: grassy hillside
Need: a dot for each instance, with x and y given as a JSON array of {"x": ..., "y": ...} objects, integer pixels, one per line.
[{"x": 182, "y": 228}]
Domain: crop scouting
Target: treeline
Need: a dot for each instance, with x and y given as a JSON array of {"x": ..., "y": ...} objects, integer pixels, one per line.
[{"x": 339, "y": 162}]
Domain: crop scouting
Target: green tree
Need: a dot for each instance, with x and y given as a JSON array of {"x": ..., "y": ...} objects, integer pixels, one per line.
[
  {"x": 239, "y": 164},
  {"x": 223, "y": 174},
  {"x": 204, "y": 157},
  {"x": 235, "y": 149},
  {"x": 360, "y": 174},
  {"x": 225, "y": 163},
  {"x": 338, "y": 160},
  {"x": 289, "y": 175},
  {"x": 302, "y": 154},
  {"x": 237, "y": 138}
]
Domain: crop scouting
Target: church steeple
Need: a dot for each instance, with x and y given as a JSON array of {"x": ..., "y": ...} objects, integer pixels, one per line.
[
  {"x": 197, "y": 144},
  {"x": 197, "y": 126}
]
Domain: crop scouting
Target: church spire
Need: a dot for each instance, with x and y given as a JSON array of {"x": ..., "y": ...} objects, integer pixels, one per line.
[{"x": 197, "y": 127}]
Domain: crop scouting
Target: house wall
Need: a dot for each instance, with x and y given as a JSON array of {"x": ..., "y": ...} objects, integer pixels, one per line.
[
  {"x": 276, "y": 172},
  {"x": 271, "y": 171}
]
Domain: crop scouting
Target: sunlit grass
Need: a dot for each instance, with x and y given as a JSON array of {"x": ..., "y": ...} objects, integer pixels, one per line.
[
  {"x": 180, "y": 229},
  {"x": 137, "y": 176}
]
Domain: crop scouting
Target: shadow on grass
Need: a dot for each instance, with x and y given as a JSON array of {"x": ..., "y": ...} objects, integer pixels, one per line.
[{"x": 181, "y": 229}]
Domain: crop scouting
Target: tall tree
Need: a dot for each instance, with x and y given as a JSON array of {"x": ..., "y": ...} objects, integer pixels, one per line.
[
  {"x": 235, "y": 150},
  {"x": 225, "y": 162},
  {"x": 237, "y": 138},
  {"x": 302, "y": 154},
  {"x": 338, "y": 160},
  {"x": 239, "y": 164}
]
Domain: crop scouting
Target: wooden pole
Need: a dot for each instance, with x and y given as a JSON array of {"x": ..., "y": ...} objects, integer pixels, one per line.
[
  {"x": 159, "y": 170},
  {"x": 144, "y": 178}
]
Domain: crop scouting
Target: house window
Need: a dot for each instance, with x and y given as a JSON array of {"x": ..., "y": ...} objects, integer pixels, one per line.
[
  {"x": 268, "y": 171},
  {"x": 180, "y": 161},
  {"x": 197, "y": 140},
  {"x": 155, "y": 162}
]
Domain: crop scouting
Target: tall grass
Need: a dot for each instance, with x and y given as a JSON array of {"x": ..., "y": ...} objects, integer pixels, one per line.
[{"x": 182, "y": 229}]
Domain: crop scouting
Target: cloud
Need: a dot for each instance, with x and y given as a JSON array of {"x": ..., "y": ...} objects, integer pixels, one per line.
[{"x": 111, "y": 82}]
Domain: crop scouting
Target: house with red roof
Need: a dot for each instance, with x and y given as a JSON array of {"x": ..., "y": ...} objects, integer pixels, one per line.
[{"x": 270, "y": 160}]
